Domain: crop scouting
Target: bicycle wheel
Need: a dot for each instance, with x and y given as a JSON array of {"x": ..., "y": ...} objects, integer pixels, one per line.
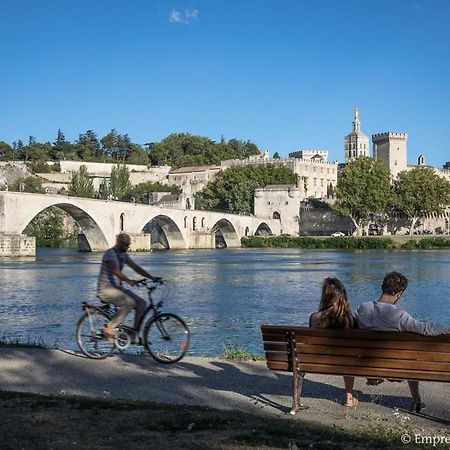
[
  {"x": 167, "y": 338},
  {"x": 90, "y": 336}
]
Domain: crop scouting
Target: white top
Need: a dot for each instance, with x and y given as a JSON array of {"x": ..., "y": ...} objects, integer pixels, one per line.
[{"x": 386, "y": 317}]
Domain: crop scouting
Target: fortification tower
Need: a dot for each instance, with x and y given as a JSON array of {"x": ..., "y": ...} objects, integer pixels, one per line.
[
  {"x": 356, "y": 143},
  {"x": 390, "y": 147}
]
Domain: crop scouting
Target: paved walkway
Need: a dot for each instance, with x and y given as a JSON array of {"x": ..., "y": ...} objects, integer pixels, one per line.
[{"x": 246, "y": 386}]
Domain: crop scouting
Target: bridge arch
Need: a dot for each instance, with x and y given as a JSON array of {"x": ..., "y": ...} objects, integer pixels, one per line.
[
  {"x": 226, "y": 234},
  {"x": 165, "y": 231},
  {"x": 94, "y": 235},
  {"x": 263, "y": 230}
]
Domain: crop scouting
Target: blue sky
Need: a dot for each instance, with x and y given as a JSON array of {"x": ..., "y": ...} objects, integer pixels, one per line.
[{"x": 284, "y": 74}]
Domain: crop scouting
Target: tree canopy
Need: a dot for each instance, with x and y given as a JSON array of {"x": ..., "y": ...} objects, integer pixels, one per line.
[
  {"x": 419, "y": 192},
  {"x": 184, "y": 149},
  {"x": 28, "y": 184},
  {"x": 363, "y": 190},
  {"x": 81, "y": 184},
  {"x": 176, "y": 150},
  {"x": 233, "y": 189}
]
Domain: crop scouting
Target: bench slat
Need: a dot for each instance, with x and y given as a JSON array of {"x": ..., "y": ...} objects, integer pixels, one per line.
[
  {"x": 366, "y": 343},
  {"x": 380, "y": 363},
  {"x": 372, "y": 372},
  {"x": 413, "y": 355}
]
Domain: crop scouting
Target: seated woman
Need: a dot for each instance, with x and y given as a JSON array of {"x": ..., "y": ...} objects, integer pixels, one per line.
[{"x": 334, "y": 312}]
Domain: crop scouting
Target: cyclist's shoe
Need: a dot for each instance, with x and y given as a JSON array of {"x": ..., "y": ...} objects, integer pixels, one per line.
[{"x": 109, "y": 334}]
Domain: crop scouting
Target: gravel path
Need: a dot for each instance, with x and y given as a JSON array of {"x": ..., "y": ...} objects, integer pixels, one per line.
[{"x": 246, "y": 386}]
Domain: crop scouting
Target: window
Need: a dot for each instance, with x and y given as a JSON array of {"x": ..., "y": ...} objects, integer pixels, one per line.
[{"x": 122, "y": 221}]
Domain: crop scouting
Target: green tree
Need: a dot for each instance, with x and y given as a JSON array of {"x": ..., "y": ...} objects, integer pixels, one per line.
[
  {"x": 6, "y": 151},
  {"x": 184, "y": 149},
  {"x": 233, "y": 189},
  {"x": 48, "y": 228},
  {"x": 81, "y": 184},
  {"x": 419, "y": 192},
  {"x": 27, "y": 184},
  {"x": 120, "y": 181},
  {"x": 363, "y": 190},
  {"x": 88, "y": 146}
]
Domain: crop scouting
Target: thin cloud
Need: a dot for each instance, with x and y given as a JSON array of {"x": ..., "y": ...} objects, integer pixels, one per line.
[{"x": 189, "y": 16}]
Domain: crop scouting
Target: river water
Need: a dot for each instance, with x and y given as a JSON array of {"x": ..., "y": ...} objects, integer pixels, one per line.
[{"x": 224, "y": 295}]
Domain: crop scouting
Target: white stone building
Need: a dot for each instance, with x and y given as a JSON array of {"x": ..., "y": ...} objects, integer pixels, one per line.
[
  {"x": 356, "y": 144},
  {"x": 280, "y": 201}
]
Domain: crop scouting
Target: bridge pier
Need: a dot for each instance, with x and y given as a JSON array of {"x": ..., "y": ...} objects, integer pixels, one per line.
[{"x": 17, "y": 245}]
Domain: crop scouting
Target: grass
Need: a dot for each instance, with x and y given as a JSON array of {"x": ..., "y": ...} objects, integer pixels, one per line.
[
  {"x": 19, "y": 341},
  {"x": 233, "y": 352},
  {"x": 78, "y": 422}
]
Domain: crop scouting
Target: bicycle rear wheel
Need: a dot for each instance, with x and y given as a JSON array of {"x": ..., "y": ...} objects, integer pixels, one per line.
[
  {"x": 90, "y": 335},
  {"x": 167, "y": 338}
]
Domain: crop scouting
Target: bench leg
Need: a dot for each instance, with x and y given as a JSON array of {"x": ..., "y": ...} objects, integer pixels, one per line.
[{"x": 297, "y": 392}]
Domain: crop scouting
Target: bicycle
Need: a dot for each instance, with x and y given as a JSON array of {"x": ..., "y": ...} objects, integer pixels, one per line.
[{"x": 165, "y": 335}]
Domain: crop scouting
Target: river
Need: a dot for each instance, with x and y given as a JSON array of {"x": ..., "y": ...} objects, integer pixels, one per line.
[{"x": 224, "y": 295}]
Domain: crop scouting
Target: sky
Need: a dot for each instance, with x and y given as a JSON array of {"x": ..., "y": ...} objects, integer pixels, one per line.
[{"x": 284, "y": 74}]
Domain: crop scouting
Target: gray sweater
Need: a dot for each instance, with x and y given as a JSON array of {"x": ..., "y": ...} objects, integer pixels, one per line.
[{"x": 387, "y": 317}]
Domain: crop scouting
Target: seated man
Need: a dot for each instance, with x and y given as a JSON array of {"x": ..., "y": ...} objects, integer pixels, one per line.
[
  {"x": 110, "y": 289},
  {"x": 382, "y": 314}
]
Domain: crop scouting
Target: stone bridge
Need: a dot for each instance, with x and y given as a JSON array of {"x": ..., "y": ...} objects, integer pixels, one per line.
[{"x": 102, "y": 220}]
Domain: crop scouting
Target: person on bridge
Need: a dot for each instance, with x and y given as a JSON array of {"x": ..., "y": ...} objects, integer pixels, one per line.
[{"x": 110, "y": 288}]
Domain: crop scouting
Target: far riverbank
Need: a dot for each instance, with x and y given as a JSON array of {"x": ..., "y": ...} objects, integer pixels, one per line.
[{"x": 349, "y": 242}]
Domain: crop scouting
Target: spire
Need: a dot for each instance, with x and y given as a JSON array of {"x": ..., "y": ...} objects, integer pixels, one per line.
[{"x": 356, "y": 125}]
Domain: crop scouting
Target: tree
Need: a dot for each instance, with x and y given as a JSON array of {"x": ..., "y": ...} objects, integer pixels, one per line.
[
  {"x": 48, "y": 228},
  {"x": 120, "y": 181},
  {"x": 6, "y": 151},
  {"x": 27, "y": 184},
  {"x": 419, "y": 192},
  {"x": 233, "y": 189},
  {"x": 81, "y": 184},
  {"x": 184, "y": 149},
  {"x": 363, "y": 190},
  {"x": 88, "y": 146}
]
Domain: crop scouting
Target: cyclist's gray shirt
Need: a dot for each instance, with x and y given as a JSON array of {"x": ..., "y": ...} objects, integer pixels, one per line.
[
  {"x": 106, "y": 278},
  {"x": 387, "y": 317}
]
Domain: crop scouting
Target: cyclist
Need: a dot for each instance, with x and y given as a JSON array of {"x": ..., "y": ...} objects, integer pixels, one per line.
[{"x": 110, "y": 288}]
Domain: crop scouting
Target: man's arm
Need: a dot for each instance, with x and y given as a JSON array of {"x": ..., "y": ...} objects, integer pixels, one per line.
[
  {"x": 139, "y": 270},
  {"x": 408, "y": 323}
]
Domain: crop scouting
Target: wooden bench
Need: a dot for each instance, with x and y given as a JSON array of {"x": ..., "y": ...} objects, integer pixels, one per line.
[{"x": 359, "y": 353}]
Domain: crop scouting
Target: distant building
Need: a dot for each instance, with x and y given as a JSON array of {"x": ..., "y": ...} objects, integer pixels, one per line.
[
  {"x": 356, "y": 144},
  {"x": 310, "y": 154},
  {"x": 391, "y": 148}
]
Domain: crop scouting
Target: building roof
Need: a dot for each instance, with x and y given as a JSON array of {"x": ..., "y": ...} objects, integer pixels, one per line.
[{"x": 170, "y": 198}]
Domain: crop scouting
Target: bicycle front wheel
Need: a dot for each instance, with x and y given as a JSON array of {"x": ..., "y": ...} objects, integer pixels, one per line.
[
  {"x": 167, "y": 338},
  {"x": 90, "y": 336}
]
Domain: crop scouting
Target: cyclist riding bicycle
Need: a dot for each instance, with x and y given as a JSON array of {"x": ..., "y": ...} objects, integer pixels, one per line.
[{"x": 110, "y": 288}]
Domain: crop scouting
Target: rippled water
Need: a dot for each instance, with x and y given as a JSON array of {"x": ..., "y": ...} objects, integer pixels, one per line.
[{"x": 224, "y": 295}]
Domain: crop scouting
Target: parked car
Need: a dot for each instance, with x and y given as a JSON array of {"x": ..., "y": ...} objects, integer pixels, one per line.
[{"x": 338, "y": 234}]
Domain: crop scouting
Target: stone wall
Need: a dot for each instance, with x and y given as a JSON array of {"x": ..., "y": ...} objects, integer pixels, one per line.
[
  {"x": 15, "y": 245},
  {"x": 318, "y": 219}
]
